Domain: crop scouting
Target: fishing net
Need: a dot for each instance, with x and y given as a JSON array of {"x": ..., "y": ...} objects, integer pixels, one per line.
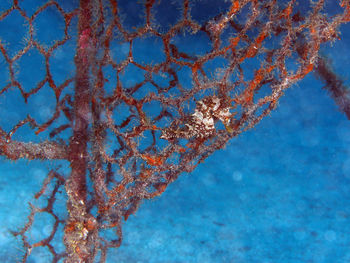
[{"x": 133, "y": 93}]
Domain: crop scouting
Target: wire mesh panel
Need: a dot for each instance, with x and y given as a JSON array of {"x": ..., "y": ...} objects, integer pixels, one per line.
[{"x": 133, "y": 93}]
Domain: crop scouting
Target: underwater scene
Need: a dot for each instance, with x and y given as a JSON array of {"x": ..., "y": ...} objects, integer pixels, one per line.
[{"x": 175, "y": 131}]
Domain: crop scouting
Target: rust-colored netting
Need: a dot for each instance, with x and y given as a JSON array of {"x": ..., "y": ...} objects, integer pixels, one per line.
[{"x": 156, "y": 87}]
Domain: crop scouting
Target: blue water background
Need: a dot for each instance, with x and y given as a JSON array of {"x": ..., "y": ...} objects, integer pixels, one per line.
[{"x": 278, "y": 193}]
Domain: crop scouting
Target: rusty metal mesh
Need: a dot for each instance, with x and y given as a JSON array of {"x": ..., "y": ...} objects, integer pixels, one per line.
[{"x": 156, "y": 88}]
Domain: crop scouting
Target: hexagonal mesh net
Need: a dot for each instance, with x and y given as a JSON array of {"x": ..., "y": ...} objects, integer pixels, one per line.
[{"x": 133, "y": 93}]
